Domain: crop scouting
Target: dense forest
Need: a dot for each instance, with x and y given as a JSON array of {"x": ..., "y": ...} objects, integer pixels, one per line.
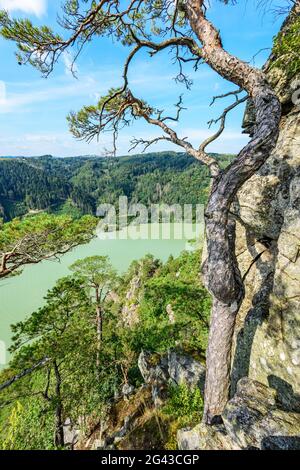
[{"x": 75, "y": 186}]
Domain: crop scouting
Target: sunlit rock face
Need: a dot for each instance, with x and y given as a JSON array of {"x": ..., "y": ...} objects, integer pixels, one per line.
[
  {"x": 204, "y": 437},
  {"x": 174, "y": 367},
  {"x": 267, "y": 338},
  {"x": 251, "y": 420},
  {"x": 263, "y": 412},
  {"x": 130, "y": 316}
]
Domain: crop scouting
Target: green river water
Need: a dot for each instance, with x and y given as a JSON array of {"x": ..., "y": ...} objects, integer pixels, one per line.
[{"x": 21, "y": 295}]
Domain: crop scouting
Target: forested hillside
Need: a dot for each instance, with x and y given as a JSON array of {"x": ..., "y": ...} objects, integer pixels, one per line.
[{"x": 77, "y": 185}]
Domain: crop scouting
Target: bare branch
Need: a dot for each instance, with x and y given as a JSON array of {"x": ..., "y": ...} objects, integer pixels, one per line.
[
  {"x": 222, "y": 120},
  {"x": 225, "y": 95},
  {"x": 147, "y": 143}
]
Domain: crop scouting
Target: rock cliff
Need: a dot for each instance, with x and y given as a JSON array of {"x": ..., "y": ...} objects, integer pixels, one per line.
[
  {"x": 252, "y": 420},
  {"x": 267, "y": 339},
  {"x": 263, "y": 412}
]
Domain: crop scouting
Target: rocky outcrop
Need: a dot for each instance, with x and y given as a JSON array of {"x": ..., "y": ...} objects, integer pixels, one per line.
[
  {"x": 141, "y": 271},
  {"x": 252, "y": 419},
  {"x": 72, "y": 433},
  {"x": 171, "y": 314},
  {"x": 267, "y": 336},
  {"x": 204, "y": 437},
  {"x": 184, "y": 369},
  {"x": 130, "y": 315},
  {"x": 129, "y": 424},
  {"x": 172, "y": 368},
  {"x": 264, "y": 409},
  {"x": 127, "y": 390}
]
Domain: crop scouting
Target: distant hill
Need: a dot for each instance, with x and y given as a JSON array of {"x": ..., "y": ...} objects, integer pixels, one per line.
[
  {"x": 22, "y": 156},
  {"x": 76, "y": 185}
]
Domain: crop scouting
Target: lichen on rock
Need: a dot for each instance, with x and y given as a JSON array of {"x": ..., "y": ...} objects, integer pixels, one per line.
[
  {"x": 267, "y": 335},
  {"x": 251, "y": 420}
]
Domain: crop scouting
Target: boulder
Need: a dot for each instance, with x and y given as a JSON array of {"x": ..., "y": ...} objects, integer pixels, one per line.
[
  {"x": 174, "y": 367},
  {"x": 153, "y": 367},
  {"x": 127, "y": 390},
  {"x": 253, "y": 419},
  {"x": 204, "y": 437},
  {"x": 171, "y": 314},
  {"x": 184, "y": 369},
  {"x": 130, "y": 315},
  {"x": 154, "y": 370},
  {"x": 71, "y": 433}
]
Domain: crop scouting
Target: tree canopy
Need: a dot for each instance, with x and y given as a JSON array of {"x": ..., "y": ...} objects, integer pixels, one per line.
[
  {"x": 53, "y": 375},
  {"x": 46, "y": 236},
  {"x": 55, "y": 345},
  {"x": 76, "y": 186}
]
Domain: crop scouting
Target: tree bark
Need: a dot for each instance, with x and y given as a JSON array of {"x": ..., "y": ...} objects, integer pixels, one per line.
[
  {"x": 218, "y": 361},
  {"x": 99, "y": 327},
  {"x": 59, "y": 423},
  {"x": 24, "y": 373},
  {"x": 221, "y": 272}
]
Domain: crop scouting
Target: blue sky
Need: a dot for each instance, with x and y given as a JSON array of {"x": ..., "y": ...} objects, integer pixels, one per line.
[{"x": 33, "y": 110}]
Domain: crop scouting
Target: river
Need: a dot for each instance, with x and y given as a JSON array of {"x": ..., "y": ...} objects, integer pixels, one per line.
[{"x": 23, "y": 294}]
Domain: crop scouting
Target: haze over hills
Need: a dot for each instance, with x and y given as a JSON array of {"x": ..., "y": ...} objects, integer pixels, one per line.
[
  {"x": 51, "y": 156},
  {"x": 76, "y": 185}
]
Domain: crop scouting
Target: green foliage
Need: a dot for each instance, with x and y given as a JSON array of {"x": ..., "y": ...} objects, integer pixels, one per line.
[
  {"x": 176, "y": 284},
  {"x": 27, "y": 185},
  {"x": 184, "y": 408},
  {"x": 29, "y": 427},
  {"x": 68, "y": 208},
  {"x": 286, "y": 48},
  {"x": 184, "y": 402},
  {"x": 53, "y": 326},
  {"x": 107, "y": 107},
  {"x": 13, "y": 424},
  {"x": 28, "y": 37},
  {"x": 64, "y": 332},
  {"x": 76, "y": 186},
  {"x": 36, "y": 238},
  {"x": 57, "y": 230},
  {"x": 95, "y": 271}
]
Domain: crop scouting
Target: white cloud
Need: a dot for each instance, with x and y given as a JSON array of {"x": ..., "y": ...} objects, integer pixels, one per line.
[
  {"x": 19, "y": 102},
  {"x": 59, "y": 144},
  {"x": 34, "y": 7},
  {"x": 41, "y": 138},
  {"x": 2, "y": 93},
  {"x": 63, "y": 143},
  {"x": 19, "y": 97},
  {"x": 71, "y": 68}
]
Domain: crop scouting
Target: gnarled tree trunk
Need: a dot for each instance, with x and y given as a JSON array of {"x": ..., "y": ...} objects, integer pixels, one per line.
[
  {"x": 99, "y": 327},
  {"x": 221, "y": 270},
  {"x": 59, "y": 423}
]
